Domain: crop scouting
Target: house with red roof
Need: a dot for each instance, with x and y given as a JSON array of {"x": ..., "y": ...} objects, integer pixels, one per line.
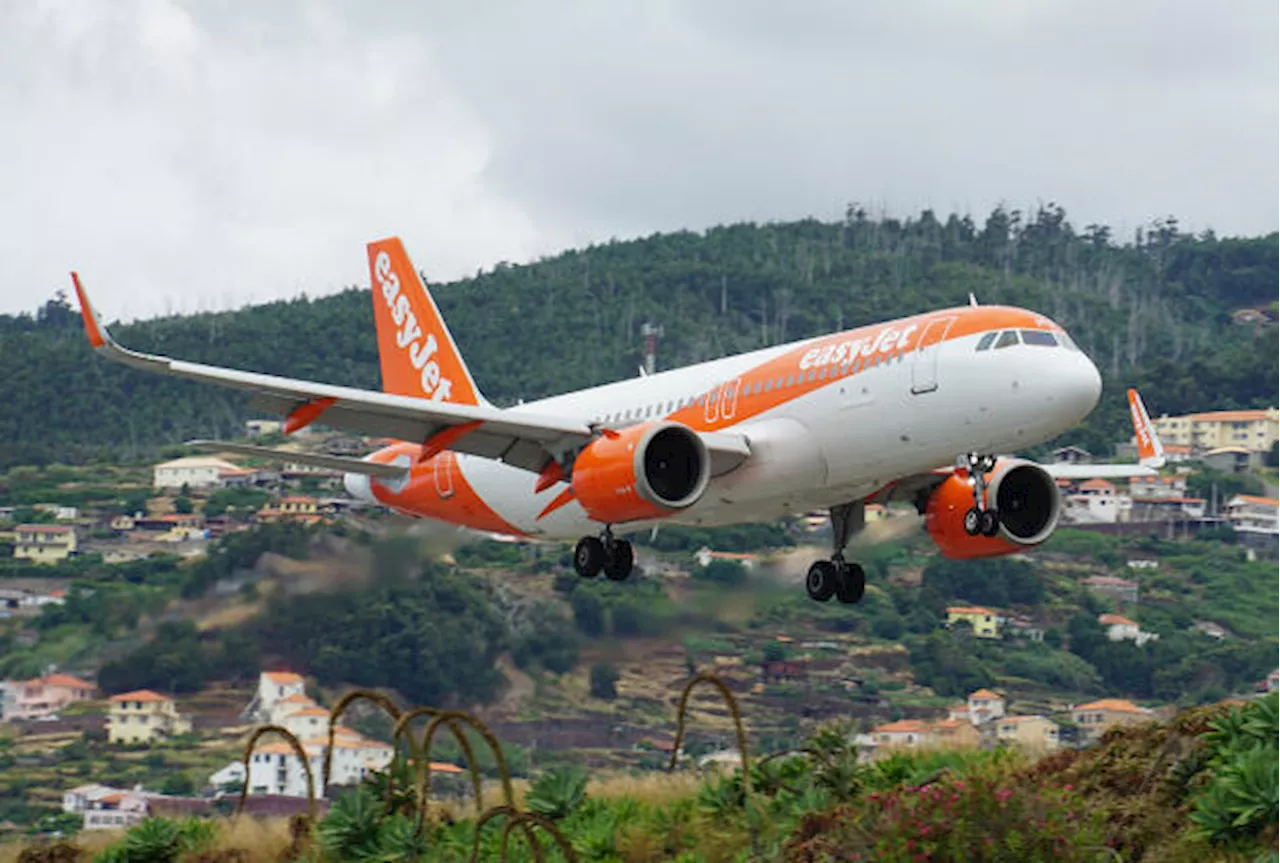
[{"x": 44, "y": 696}]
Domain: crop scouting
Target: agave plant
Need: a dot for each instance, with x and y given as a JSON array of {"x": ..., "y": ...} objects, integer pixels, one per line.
[
  {"x": 400, "y": 840},
  {"x": 557, "y": 792},
  {"x": 1242, "y": 799},
  {"x": 159, "y": 840},
  {"x": 351, "y": 830}
]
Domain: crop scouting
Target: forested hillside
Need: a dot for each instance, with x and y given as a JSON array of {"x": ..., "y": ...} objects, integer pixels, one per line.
[{"x": 1153, "y": 311}]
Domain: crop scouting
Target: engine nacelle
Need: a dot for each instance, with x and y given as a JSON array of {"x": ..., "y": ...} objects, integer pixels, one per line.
[
  {"x": 1024, "y": 496},
  {"x": 645, "y": 471}
]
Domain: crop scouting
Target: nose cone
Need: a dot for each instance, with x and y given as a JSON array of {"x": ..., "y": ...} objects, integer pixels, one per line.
[
  {"x": 1079, "y": 385},
  {"x": 357, "y": 486}
]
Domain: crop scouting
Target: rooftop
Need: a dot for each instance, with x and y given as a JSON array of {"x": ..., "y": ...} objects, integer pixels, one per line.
[
  {"x": 1118, "y": 705},
  {"x": 140, "y": 695},
  {"x": 968, "y": 609},
  {"x": 902, "y": 726},
  {"x": 985, "y": 694},
  {"x": 1108, "y": 581},
  {"x": 199, "y": 461},
  {"x": 1115, "y": 620},
  {"x": 283, "y": 678}
]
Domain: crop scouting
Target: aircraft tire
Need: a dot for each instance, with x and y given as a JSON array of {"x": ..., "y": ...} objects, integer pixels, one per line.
[
  {"x": 990, "y": 522},
  {"x": 852, "y": 584},
  {"x": 821, "y": 581},
  {"x": 973, "y": 521},
  {"x": 588, "y": 557},
  {"x": 621, "y": 559}
]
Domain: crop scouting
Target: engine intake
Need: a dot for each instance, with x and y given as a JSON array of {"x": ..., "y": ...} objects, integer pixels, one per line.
[
  {"x": 645, "y": 471},
  {"x": 1025, "y": 498}
]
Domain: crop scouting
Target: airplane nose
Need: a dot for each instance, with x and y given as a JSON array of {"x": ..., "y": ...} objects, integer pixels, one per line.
[
  {"x": 357, "y": 486},
  {"x": 1082, "y": 387}
]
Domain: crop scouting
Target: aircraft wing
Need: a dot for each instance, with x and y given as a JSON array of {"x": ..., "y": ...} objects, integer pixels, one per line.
[
  {"x": 325, "y": 462},
  {"x": 522, "y": 439}
]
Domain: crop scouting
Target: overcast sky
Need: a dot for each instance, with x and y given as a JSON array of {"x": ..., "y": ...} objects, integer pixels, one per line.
[{"x": 188, "y": 156}]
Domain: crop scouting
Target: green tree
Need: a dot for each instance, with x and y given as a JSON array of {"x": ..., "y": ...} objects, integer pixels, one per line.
[{"x": 604, "y": 681}]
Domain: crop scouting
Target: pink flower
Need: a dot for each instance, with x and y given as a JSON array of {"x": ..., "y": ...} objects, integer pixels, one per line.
[{"x": 1068, "y": 787}]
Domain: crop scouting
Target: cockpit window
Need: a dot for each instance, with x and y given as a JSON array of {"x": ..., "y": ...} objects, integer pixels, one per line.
[
  {"x": 1039, "y": 338},
  {"x": 985, "y": 341},
  {"x": 1007, "y": 338},
  {"x": 1066, "y": 341}
]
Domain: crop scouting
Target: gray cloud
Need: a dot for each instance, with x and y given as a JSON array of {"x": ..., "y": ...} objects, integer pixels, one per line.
[{"x": 185, "y": 157}]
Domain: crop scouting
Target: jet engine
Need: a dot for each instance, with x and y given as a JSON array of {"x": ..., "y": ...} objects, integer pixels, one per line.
[
  {"x": 645, "y": 471},
  {"x": 1024, "y": 496}
]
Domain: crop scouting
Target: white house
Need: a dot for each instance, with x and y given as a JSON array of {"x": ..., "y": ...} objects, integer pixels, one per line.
[
  {"x": 274, "y": 686},
  {"x": 307, "y": 723},
  {"x": 1123, "y": 629},
  {"x": 197, "y": 471},
  {"x": 1095, "y": 501},
  {"x": 1249, "y": 513},
  {"x": 985, "y": 705},
  {"x": 232, "y": 774},
  {"x": 75, "y": 801},
  {"x": 274, "y": 768},
  {"x": 115, "y": 811},
  {"x": 288, "y": 706},
  {"x": 1158, "y": 486}
]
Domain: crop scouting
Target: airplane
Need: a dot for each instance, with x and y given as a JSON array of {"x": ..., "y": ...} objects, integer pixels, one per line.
[{"x": 915, "y": 409}]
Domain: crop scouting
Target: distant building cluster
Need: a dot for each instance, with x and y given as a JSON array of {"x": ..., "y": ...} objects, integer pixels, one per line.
[{"x": 981, "y": 721}]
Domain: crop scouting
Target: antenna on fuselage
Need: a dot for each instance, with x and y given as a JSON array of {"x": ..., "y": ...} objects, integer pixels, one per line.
[{"x": 973, "y": 301}]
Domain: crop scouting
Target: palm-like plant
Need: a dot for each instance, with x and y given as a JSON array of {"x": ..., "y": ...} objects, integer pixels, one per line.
[
  {"x": 351, "y": 829},
  {"x": 557, "y": 792}
]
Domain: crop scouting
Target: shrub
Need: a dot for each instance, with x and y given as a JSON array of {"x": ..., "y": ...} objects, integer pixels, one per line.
[
  {"x": 558, "y": 792},
  {"x": 604, "y": 680}
]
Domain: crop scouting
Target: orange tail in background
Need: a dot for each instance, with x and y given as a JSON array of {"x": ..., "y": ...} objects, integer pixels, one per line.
[
  {"x": 418, "y": 355},
  {"x": 1150, "y": 450}
]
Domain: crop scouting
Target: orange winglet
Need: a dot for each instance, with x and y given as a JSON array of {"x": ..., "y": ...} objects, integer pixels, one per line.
[
  {"x": 551, "y": 474},
  {"x": 91, "y": 328},
  {"x": 305, "y": 414},
  {"x": 609, "y": 433},
  {"x": 561, "y": 499},
  {"x": 442, "y": 440}
]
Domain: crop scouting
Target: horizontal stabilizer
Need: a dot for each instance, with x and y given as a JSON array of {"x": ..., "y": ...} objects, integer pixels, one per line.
[{"x": 327, "y": 462}]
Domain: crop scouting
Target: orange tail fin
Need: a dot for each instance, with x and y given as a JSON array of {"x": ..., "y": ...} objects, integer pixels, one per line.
[
  {"x": 418, "y": 355},
  {"x": 1150, "y": 450}
]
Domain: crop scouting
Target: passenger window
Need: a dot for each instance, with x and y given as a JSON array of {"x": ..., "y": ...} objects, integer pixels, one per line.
[
  {"x": 1039, "y": 338},
  {"x": 822, "y": 375},
  {"x": 714, "y": 396},
  {"x": 789, "y": 380},
  {"x": 1007, "y": 338},
  {"x": 768, "y": 385},
  {"x": 985, "y": 341}
]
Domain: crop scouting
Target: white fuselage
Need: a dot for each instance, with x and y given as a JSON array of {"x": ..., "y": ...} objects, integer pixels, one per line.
[{"x": 907, "y": 406}]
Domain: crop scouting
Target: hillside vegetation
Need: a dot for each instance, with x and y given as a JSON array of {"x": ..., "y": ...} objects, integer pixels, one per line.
[{"x": 1152, "y": 312}]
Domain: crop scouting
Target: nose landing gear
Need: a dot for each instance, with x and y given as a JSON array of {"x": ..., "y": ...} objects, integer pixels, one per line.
[
  {"x": 979, "y": 519},
  {"x": 614, "y": 557},
  {"x": 836, "y": 577}
]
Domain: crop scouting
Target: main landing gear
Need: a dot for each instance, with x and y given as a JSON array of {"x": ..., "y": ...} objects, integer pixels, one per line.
[
  {"x": 614, "y": 557},
  {"x": 836, "y": 577},
  {"x": 979, "y": 519}
]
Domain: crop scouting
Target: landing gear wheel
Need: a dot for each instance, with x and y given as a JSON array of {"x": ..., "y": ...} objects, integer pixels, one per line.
[
  {"x": 990, "y": 522},
  {"x": 621, "y": 559},
  {"x": 589, "y": 557},
  {"x": 973, "y": 521},
  {"x": 822, "y": 580},
  {"x": 852, "y": 583}
]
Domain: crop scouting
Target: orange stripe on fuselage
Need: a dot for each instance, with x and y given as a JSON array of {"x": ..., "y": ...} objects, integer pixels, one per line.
[
  {"x": 438, "y": 489},
  {"x": 824, "y": 360}
]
